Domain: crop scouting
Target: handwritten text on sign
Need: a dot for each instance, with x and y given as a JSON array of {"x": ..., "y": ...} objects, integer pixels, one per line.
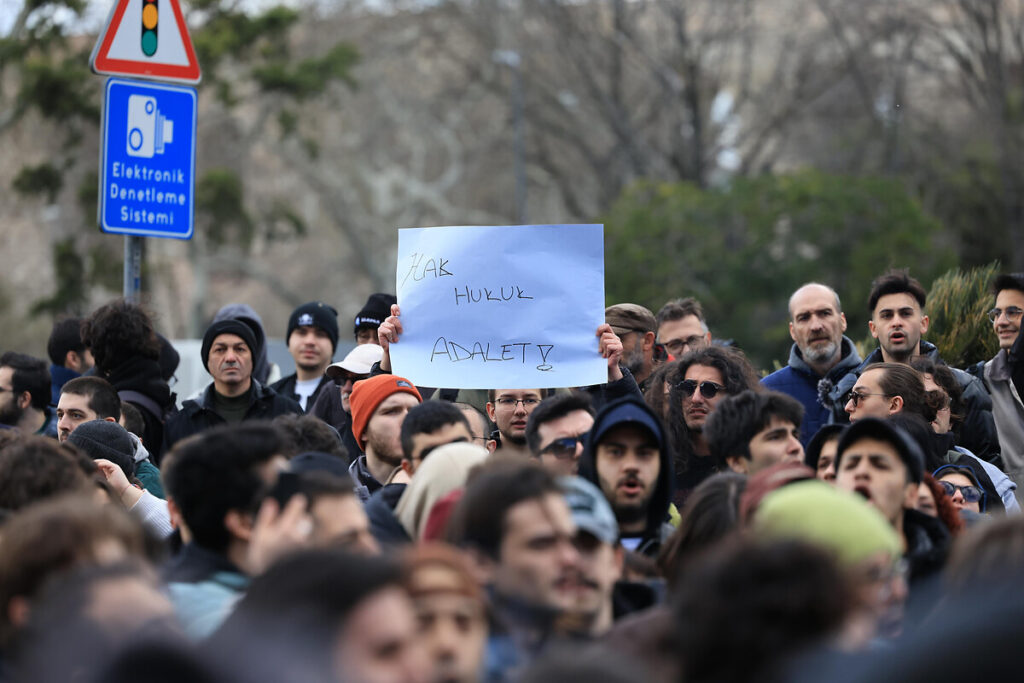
[{"x": 501, "y": 307}]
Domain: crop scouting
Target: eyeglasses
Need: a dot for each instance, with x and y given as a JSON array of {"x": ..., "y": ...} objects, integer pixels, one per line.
[
  {"x": 676, "y": 346},
  {"x": 1012, "y": 313},
  {"x": 342, "y": 380},
  {"x": 708, "y": 389},
  {"x": 972, "y": 494},
  {"x": 857, "y": 396},
  {"x": 564, "y": 448},
  {"x": 506, "y": 402}
]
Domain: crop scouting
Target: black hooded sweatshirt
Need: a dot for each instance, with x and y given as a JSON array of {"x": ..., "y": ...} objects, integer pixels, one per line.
[{"x": 657, "y": 528}]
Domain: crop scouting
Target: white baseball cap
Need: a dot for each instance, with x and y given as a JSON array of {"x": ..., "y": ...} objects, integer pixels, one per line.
[{"x": 358, "y": 361}]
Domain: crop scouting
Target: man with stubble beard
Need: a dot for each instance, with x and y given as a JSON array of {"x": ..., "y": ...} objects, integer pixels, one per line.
[
  {"x": 379, "y": 405},
  {"x": 820, "y": 351},
  {"x": 626, "y": 456},
  {"x": 702, "y": 379}
]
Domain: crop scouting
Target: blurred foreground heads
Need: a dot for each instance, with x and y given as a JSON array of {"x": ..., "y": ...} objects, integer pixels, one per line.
[
  {"x": 451, "y": 612},
  {"x": 331, "y": 616}
]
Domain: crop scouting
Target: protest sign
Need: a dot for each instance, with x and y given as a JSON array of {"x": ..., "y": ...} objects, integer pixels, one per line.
[{"x": 510, "y": 307}]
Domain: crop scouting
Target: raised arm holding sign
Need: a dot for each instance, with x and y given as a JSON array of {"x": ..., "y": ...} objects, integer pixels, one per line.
[{"x": 511, "y": 307}]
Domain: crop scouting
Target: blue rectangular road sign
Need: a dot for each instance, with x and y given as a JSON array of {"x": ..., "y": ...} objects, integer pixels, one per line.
[{"x": 148, "y": 159}]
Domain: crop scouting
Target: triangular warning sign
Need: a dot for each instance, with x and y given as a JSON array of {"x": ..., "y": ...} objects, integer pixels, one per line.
[{"x": 146, "y": 39}]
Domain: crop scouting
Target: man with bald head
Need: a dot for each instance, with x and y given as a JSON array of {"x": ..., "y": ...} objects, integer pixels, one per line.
[{"x": 820, "y": 351}]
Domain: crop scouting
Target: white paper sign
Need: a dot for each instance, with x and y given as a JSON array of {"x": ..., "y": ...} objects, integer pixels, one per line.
[{"x": 501, "y": 307}]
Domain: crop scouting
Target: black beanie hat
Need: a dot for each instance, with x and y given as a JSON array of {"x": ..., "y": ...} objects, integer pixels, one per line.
[
  {"x": 229, "y": 326},
  {"x": 377, "y": 307},
  {"x": 873, "y": 428},
  {"x": 107, "y": 440},
  {"x": 317, "y": 314}
]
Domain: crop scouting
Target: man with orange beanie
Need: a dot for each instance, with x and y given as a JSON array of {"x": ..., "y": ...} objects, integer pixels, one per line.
[{"x": 379, "y": 405}]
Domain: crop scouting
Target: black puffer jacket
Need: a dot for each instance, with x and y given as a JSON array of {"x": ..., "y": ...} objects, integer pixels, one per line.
[{"x": 198, "y": 416}]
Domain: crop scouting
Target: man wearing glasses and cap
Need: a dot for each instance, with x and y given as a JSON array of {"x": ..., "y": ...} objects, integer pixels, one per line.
[{"x": 636, "y": 327}]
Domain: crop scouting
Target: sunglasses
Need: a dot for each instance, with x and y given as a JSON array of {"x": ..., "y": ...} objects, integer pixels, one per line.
[
  {"x": 972, "y": 494},
  {"x": 858, "y": 396},
  {"x": 340, "y": 380},
  {"x": 564, "y": 448},
  {"x": 708, "y": 389}
]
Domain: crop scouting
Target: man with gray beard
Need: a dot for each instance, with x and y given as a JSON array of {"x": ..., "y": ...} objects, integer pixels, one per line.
[
  {"x": 820, "y": 352},
  {"x": 636, "y": 327}
]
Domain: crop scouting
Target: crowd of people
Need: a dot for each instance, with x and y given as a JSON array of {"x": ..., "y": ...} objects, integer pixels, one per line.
[{"x": 690, "y": 519}]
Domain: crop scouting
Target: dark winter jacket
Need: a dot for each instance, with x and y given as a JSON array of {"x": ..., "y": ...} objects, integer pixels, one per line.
[
  {"x": 59, "y": 376},
  {"x": 609, "y": 392},
  {"x": 365, "y": 483},
  {"x": 286, "y": 387},
  {"x": 198, "y": 416},
  {"x": 142, "y": 376},
  {"x": 928, "y": 542},
  {"x": 328, "y": 408},
  {"x": 801, "y": 382},
  {"x": 380, "y": 510}
]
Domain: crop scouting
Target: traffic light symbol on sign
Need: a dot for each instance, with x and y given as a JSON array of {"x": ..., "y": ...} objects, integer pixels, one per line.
[{"x": 150, "y": 19}]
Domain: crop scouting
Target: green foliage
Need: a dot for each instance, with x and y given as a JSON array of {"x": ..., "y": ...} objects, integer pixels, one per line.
[
  {"x": 262, "y": 40},
  {"x": 106, "y": 266},
  {"x": 288, "y": 120},
  {"x": 220, "y": 207},
  {"x": 967, "y": 195},
  {"x": 61, "y": 91},
  {"x": 958, "y": 303},
  {"x": 744, "y": 249},
  {"x": 312, "y": 147},
  {"x": 284, "y": 223},
  {"x": 88, "y": 196},
  {"x": 310, "y": 76},
  {"x": 44, "y": 179},
  {"x": 231, "y": 32},
  {"x": 69, "y": 271}
]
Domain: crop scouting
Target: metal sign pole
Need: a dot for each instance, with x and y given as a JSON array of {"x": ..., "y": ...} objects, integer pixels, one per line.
[{"x": 132, "y": 268}]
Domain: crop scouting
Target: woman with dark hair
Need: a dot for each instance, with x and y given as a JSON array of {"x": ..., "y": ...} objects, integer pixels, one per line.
[
  {"x": 659, "y": 389},
  {"x": 967, "y": 489},
  {"x": 711, "y": 513},
  {"x": 932, "y": 500}
]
